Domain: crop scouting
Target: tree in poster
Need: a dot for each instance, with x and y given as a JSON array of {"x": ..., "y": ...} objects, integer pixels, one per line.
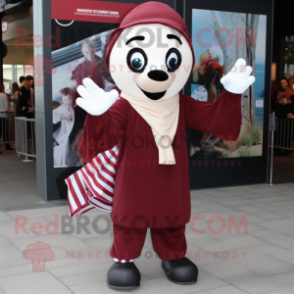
[{"x": 238, "y": 40}]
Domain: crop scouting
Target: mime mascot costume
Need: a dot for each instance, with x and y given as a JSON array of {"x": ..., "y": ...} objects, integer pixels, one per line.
[{"x": 150, "y": 57}]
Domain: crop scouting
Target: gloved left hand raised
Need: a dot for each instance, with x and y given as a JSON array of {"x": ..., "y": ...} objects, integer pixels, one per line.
[{"x": 239, "y": 79}]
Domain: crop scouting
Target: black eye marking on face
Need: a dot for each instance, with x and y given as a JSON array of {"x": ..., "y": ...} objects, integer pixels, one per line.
[
  {"x": 137, "y": 60},
  {"x": 136, "y": 38},
  {"x": 171, "y": 36},
  {"x": 173, "y": 59}
]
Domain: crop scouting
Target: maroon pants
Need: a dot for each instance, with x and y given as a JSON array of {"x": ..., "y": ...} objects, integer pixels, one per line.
[{"x": 168, "y": 243}]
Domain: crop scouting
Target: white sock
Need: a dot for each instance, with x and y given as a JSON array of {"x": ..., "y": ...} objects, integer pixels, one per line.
[{"x": 123, "y": 260}]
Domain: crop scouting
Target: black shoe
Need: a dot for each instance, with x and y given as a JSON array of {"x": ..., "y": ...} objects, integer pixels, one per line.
[
  {"x": 123, "y": 276},
  {"x": 180, "y": 271}
]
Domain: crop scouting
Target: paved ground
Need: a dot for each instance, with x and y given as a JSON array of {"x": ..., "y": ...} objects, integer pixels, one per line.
[{"x": 76, "y": 260}]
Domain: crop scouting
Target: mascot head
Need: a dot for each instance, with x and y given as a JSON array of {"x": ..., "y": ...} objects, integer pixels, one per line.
[{"x": 150, "y": 56}]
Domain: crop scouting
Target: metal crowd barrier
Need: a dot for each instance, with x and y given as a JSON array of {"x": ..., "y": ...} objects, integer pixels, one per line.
[
  {"x": 23, "y": 146},
  {"x": 7, "y": 127},
  {"x": 284, "y": 133}
]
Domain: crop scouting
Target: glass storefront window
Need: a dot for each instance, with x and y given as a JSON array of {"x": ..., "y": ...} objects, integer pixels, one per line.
[
  {"x": 19, "y": 72},
  {"x": 12, "y": 73},
  {"x": 7, "y": 76}
]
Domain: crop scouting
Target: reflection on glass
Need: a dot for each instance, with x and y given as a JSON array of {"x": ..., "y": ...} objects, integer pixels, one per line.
[{"x": 288, "y": 57}]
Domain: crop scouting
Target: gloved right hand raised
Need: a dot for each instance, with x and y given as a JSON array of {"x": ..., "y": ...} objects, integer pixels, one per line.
[{"x": 95, "y": 101}]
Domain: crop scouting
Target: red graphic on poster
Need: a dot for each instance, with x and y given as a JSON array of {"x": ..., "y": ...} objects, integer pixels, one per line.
[{"x": 90, "y": 11}]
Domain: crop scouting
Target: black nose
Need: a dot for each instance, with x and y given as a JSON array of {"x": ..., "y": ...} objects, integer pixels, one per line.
[{"x": 158, "y": 75}]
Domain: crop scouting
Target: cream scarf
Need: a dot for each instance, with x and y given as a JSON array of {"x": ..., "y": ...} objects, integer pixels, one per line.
[{"x": 162, "y": 116}]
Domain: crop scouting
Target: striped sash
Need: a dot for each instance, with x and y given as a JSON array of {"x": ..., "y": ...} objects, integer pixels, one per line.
[{"x": 92, "y": 186}]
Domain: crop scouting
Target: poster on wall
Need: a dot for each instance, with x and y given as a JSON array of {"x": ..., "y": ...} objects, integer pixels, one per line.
[
  {"x": 68, "y": 120},
  {"x": 219, "y": 39},
  {"x": 81, "y": 35}
]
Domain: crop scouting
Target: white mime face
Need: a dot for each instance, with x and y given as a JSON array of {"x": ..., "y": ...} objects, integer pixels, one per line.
[{"x": 151, "y": 62}]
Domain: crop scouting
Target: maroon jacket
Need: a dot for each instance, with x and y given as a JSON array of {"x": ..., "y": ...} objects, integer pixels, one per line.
[
  {"x": 147, "y": 194},
  {"x": 96, "y": 71}
]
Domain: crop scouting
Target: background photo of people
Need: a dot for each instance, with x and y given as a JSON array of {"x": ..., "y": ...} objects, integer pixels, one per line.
[
  {"x": 83, "y": 59},
  {"x": 219, "y": 38},
  {"x": 284, "y": 99}
]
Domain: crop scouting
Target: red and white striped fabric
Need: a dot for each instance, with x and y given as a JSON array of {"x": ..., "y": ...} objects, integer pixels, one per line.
[{"x": 92, "y": 186}]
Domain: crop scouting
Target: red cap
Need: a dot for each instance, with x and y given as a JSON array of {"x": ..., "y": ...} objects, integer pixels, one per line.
[{"x": 148, "y": 13}]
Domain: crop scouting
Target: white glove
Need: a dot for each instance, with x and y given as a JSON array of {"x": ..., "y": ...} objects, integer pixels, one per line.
[
  {"x": 239, "y": 79},
  {"x": 95, "y": 101}
]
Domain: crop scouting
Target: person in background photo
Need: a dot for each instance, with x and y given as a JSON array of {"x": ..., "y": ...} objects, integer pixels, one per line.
[
  {"x": 2, "y": 90},
  {"x": 291, "y": 80},
  {"x": 24, "y": 99},
  {"x": 284, "y": 105},
  {"x": 64, "y": 115},
  {"x": 32, "y": 83},
  {"x": 21, "y": 79},
  {"x": 208, "y": 72},
  {"x": 93, "y": 66},
  {"x": 14, "y": 95},
  {"x": 285, "y": 91},
  {"x": 4, "y": 121},
  {"x": 31, "y": 80}
]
